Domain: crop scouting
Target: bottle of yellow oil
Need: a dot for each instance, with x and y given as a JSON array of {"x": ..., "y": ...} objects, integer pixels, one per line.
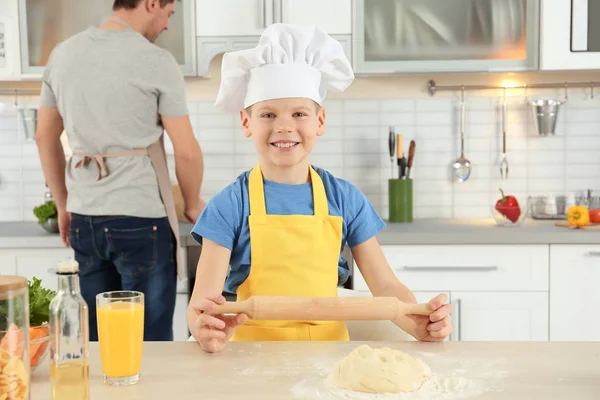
[{"x": 69, "y": 337}]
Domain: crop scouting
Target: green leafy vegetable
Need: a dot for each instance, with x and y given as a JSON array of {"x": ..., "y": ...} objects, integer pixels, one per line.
[
  {"x": 46, "y": 211},
  {"x": 39, "y": 302}
]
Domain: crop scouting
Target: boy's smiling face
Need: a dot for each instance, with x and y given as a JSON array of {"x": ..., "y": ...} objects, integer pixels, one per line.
[{"x": 284, "y": 131}]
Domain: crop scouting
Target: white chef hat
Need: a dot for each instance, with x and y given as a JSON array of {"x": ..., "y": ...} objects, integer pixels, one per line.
[{"x": 289, "y": 61}]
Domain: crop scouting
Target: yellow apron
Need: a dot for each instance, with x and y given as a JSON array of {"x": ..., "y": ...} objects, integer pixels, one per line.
[{"x": 291, "y": 255}]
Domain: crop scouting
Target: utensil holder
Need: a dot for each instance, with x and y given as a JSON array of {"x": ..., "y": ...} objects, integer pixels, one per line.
[{"x": 400, "y": 193}]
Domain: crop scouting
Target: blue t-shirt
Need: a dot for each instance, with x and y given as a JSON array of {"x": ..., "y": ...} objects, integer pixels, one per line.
[{"x": 225, "y": 218}]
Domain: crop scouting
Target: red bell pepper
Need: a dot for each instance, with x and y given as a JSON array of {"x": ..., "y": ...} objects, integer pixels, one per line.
[{"x": 509, "y": 207}]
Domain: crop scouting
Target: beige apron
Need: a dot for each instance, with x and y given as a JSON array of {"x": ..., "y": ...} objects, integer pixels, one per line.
[{"x": 158, "y": 157}]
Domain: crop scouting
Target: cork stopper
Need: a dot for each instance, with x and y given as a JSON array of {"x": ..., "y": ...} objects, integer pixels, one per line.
[{"x": 67, "y": 266}]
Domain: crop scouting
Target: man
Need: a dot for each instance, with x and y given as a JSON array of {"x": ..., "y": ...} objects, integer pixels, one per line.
[{"x": 113, "y": 91}]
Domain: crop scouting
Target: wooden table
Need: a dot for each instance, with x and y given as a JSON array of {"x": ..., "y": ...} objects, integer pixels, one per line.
[{"x": 181, "y": 370}]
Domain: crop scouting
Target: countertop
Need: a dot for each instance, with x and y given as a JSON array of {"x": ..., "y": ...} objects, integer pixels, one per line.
[
  {"x": 419, "y": 232},
  {"x": 288, "y": 370}
]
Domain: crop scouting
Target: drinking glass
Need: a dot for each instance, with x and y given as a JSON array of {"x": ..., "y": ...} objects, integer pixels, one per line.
[{"x": 120, "y": 335}]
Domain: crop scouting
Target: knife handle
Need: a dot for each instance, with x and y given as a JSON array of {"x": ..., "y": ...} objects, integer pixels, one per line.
[
  {"x": 411, "y": 153},
  {"x": 399, "y": 147}
]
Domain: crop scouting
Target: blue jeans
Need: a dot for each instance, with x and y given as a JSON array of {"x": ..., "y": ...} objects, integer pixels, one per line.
[{"x": 128, "y": 253}]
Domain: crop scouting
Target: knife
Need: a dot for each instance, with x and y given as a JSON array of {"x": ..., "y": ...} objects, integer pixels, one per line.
[
  {"x": 400, "y": 156},
  {"x": 392, "y": 145},
  {"x": 411, "y": 157},
  {"x": 306, "y": 308}
]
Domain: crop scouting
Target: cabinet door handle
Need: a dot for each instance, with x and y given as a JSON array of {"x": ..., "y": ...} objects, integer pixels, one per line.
[
  {"x": 263, "y": 13},
  {"x": 456, "y": 321},
  {"x": 459, "y": 308},
  {"x": 281, "y": 11},
  {"x": 446, "y": 269},
  {"x": 593, "y": 253}
]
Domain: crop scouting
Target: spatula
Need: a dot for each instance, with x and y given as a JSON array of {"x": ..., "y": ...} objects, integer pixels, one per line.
[{"x": 294, "y": 308}]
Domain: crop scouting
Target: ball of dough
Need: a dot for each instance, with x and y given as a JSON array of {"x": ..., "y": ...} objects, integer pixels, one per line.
[{"x": 380, "y": 370}]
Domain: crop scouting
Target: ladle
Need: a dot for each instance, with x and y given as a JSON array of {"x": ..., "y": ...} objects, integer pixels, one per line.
[{"x": 462, "y": 166}]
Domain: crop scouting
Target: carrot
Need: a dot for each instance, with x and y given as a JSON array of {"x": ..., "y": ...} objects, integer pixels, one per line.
[
  {"x": 12, "y": 342},
  {"x": 37, "y": 349}
]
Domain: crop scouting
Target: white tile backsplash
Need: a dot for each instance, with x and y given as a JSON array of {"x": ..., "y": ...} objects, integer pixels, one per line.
[{"x": 355, "y": 147}]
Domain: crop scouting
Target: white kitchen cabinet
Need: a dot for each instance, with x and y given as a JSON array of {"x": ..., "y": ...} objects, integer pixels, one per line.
[
  {"x": 333, "y": 16},
  {"x": 180, "y": 329},
  {"x": 43, "y": 24},
  {"x": 251, "y": 17},
  {"x": 220, "y": 29},
  {"x": 498, "y": 292},
  {"x": 38, "y": 262},
  {"x": 233, "y": 17},
  {"x": 10, "y": 64},
  {"x": 405, "y": 36},
  {"x": 567, "y": 39},
  {"x": 574, "y": 294},
  {"x": 501, "y": 316},
  {"x": 468, "y": 267}
]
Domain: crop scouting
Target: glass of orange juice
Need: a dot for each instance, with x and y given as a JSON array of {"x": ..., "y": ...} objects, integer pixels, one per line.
[{"x": 120, "y": 335}]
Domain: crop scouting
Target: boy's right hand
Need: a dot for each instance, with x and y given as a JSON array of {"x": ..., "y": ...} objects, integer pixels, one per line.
[{"x": 214, "y": 331}]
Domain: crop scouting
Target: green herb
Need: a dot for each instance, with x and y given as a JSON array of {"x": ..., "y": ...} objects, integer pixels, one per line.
[
  {"x": 39, "y": 305},
  {"x": 39, "y": 302},
  {"x": 46, "y": 211}
]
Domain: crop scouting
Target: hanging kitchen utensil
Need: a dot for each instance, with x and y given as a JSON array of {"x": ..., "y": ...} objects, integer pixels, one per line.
[
  {"x": 411, "y": 156},
  {"x": 503, "y": 160},
  {"x": 29, "y": 119},
  {"x": 392, "y": 146},
  {"x": 302, "y": 308},
  {"x": 545, "y": 114},
  {"x": 462, "y": 166}
]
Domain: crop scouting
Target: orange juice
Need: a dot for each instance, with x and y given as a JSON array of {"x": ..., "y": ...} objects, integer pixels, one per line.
[{"x": 121, "y": 335}]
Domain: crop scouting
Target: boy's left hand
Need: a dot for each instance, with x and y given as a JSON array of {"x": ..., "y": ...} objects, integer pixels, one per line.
[{"x": 437, "y": 326}]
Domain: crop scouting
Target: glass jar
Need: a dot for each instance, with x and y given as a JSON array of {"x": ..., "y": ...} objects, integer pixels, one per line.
[{"x": 14, "y": 340}]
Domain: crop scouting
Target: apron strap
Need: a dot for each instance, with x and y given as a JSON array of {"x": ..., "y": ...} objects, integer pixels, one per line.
[
  {"x": 99, "y": 159},
  {"x": 257, "y": 194}
]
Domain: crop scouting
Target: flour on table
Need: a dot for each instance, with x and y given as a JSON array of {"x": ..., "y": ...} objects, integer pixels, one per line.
[{"x": 450, "y": 379}]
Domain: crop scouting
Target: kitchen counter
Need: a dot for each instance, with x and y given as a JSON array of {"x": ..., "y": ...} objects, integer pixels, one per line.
[
  {"x": 419, "y": 232},
  {"x": 278, "y": 370}
]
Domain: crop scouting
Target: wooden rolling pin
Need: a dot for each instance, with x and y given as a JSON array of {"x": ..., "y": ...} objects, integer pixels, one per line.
[{"x": 321, "y": 308}]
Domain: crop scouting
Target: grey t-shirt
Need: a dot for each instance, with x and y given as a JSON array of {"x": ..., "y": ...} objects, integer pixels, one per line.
[{"x": 110, "y": 87}]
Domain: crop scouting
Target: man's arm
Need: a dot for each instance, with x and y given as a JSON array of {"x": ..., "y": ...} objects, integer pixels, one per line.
[
  {"x": 189, "y": 163},
  {"x": 51, "y": 152},
  {"x": 52, "y": 157}
]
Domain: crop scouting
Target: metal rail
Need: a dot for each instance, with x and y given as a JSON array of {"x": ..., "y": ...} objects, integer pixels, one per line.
[{"x": 432, "y": 87}]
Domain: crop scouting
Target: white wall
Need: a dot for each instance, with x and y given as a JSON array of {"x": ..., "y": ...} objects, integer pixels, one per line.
[{"x": 354, "y": 146}]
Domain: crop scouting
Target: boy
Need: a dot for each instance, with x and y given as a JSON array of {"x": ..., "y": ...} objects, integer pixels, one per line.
[{"x": 280, "y": 228}]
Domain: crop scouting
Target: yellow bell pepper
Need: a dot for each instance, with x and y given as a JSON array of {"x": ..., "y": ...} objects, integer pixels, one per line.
[{"x": 578, "y": 216}]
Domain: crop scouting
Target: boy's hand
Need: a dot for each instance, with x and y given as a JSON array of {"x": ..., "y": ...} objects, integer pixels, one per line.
[
  {"x": 214, "y": 331},
  {"x": 437, "y": 326}
]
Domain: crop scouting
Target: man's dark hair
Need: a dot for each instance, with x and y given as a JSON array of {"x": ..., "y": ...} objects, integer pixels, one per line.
[{"x": 131, "y": 4}]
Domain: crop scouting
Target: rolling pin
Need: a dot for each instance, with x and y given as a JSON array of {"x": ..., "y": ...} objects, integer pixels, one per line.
[{"x": 321, "y": 308}]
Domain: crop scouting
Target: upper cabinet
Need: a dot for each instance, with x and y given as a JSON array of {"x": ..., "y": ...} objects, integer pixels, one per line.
[
  {"x": 403, "y": 36},
  {"x": 251, "y": 17},
  {"x": 230, "y": 25},
  {"x": 10, "y": 65},
  {"x": 570, "y": 35},
  {"x": 43, "y": 24}
]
